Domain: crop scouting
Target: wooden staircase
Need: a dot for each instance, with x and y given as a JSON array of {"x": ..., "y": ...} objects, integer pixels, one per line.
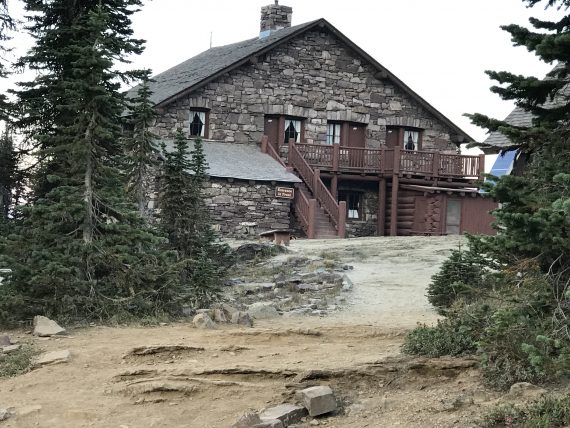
[
  {"x": 319, "y": 213},
  {"x": 323, "y": 228}
]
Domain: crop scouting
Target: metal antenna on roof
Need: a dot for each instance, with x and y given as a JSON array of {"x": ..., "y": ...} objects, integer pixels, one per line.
[{"x": 211, "y": 36}]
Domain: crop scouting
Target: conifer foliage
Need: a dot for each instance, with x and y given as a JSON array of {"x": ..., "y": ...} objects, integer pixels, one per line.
[
  {"x": 517, "y": 309},
  {"x": 185, "y": 221},
  {"x": 80, "y": 250}
]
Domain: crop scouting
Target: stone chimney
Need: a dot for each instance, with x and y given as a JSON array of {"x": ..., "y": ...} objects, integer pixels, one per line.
[{"x": 274, "y": 18}]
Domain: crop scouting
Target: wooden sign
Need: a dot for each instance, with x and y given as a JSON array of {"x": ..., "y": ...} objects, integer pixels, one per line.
[{"x": 285, "y": 192}]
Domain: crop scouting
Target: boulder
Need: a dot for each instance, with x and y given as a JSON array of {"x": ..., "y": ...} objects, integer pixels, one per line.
[
  {"x": 4, "y": 414},
  {"x": 318, "y": 400},
  {"x": 262, "y": 311},
  {"x": 242, "y": 318},
  {"x": 275, "y": 423},
  {"x": 229, "y": 310},
  {"x": 54, "y": 357},
  {"x": 203, "y": 321},
  {"x": 5, "y": 341},
  {"x": 11, "y": 348},
  {"x": 248, "y": 420},
  {"x": 44, "y": 327},
  {"x": 525, "y": 389},
  {"x": 288, "y": 414},
  {"x": 220, "y": 316},
  {"x": 347, "y": 284}
]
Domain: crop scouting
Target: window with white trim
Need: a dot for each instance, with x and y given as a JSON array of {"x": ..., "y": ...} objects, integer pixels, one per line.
[
  {"x": 411, "y": 139},
  {"x": 333, "y": 133},
  {"x": 197, "y": 123},
  {"x": 292, "y": 130}
]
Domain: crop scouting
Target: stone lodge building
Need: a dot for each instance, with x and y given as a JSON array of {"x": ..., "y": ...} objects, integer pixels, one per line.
[{"x": 304, "y": 129}]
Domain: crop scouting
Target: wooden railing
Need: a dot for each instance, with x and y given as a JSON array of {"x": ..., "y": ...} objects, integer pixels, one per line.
[
  {"x": 306, "y": 210},
  {"x": 312, "y": 178},
  {"x": 335, "y": 158},
  {"x": 266, "y": 147}
]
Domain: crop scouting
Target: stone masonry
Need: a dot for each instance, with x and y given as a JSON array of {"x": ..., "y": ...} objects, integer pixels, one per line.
[
  {"x": 242, "y": 208},
  {"x": 314, "y": 77}
]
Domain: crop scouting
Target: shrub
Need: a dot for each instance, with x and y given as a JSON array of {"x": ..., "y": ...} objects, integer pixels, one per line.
[
  {"x": 548, "y": 412},
  {"x": 18, "y": 362},
  {"x": 464, "y": 275}
]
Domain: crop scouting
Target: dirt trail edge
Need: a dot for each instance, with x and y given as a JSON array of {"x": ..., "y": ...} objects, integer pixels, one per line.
[{"x": 179, "y": 376}]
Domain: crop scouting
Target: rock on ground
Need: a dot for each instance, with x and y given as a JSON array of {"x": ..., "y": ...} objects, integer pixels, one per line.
[
  {"x": 44, "y": 327},
  {"x": 248, "y": 420},
  {"x": 525, "y": 389},
  {"x": 275, "y": 423},
  {"x": 4, "y": 414},
  {"x": 54, "y": 357},
  {"x": 220, "y": 316},
  {"x": 11, "y": 348},
  {"x": 242, "y": 318},
  {"x": 5, "y": 341},
  {"x": 319, "y": 400},
  {"x": 288, "y": 414},
  {"x": 203, "y": 321},
  {"x": 262, "y": 310}
]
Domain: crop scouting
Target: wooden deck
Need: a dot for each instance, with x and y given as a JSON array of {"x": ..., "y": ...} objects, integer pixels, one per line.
[{"x": 385, "y": 162}]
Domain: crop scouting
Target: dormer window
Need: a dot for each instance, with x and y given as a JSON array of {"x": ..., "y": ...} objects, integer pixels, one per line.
[
  {"x": 198, "y": 123},
  {"x": 292, "y": 130}
]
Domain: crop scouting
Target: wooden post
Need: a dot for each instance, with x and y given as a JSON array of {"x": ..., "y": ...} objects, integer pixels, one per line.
[
  {"x": 394, "y": 207},
  {"x": 481, "y": 167},
  {"x": 334, "y": 186},
  {"x": 342, "y": 219},
  {"x": 381, "y": 215},
  {"x": 264, "y": 141},
  {"x": 316, "y": 179},
  {"x": 397, "y": 160},
  {"x": 435, "y": 166},
  {"x": 382, "y": 163},
  {"x": 312, "y": 218},
  {"x": 291, "y": 143},
  {"x": 336, "y": 157},
  {"x": 281, "y": 133}
]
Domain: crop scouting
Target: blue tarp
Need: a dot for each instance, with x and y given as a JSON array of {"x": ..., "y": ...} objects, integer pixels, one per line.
[{"x": 504, "y": 163}]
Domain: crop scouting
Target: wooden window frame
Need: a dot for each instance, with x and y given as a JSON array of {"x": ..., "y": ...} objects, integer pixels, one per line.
[
  {"x": 401, "y": 130},
  {"x": 301, "y": 120},
  {"x": 206, "y": 123},
  {"x": 346, "y": 195}
]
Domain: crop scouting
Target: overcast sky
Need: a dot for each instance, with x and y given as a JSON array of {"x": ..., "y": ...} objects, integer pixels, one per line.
[{"x": 440, "y": 48}]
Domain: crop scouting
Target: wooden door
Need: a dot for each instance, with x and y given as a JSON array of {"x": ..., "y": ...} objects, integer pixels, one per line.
[
  {"x": 392, "y": 137},
  {"x": 453, "y": 218},
  {"x": 356, "y": 135},
  {"x": 272, "y": 130}
]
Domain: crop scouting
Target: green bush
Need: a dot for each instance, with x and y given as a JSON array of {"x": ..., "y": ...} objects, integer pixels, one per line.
[
  {"x": 548, "y": 412},
  {"x": 18, "y": 362},
  {"x": 464, "y": 275}
]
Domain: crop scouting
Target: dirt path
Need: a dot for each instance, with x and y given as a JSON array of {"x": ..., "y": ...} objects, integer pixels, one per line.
[{"x": 215, "y": 376}]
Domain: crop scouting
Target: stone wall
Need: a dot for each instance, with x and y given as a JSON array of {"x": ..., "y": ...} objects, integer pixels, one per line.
[
  {"x": 240, "y": 209},
  {"x": 314, "y": 77}
]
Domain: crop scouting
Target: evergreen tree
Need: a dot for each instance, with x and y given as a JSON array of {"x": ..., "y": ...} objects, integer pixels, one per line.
[
  {"x": 81, "y": 252},
  {"x": 8, "y": 175},
  {"x": 140, "y": 144},
  {"x": 185, "y": 220},
  {"x": 534, "y": 217}
]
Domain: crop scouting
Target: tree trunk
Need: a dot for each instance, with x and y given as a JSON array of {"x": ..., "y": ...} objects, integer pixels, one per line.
[{"x": 88, "y": 197}]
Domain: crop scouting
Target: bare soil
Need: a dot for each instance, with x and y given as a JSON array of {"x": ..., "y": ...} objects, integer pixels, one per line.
[{"x": 179, "y": 376}]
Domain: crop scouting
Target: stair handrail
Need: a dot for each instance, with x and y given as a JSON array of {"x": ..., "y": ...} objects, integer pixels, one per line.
[
  {"x": 306, "y": 210},
  {"x": 312, "y": 178},
  {"x": 266, "y": 147}
]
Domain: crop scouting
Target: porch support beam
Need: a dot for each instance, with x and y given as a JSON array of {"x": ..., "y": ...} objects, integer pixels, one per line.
[
  {"x": 394, "y": 207},
  {"x": 381, "y": 215}
]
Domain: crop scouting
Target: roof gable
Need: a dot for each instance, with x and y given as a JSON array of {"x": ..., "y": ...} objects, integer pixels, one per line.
[{"x": 215, "y": 62}]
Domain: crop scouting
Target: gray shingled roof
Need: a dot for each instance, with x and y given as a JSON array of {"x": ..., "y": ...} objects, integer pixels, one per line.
[
  {"x": 518, "y": 117},
  {"x": 208, "y": 63},
  {"x": 240, "y": 161}
]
